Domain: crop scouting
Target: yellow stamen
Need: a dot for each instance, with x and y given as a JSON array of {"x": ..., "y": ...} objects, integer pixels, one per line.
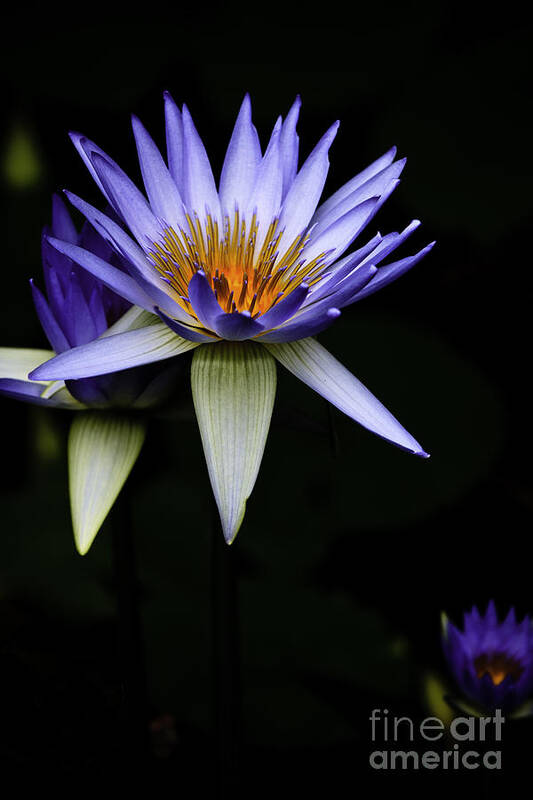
[
  {"x": 498, "y": 666},
  {"x": 242, "y": 279}
]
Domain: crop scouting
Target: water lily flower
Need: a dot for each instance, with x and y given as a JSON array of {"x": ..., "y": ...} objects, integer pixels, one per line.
[
  {"x": 491, "y": 661},
  {"x": 76, "y": 309},
  {"x": 244, "y": 274}
]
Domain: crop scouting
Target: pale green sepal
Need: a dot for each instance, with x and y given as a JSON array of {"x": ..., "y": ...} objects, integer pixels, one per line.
[
  {"x": 102, "y": 449},
  {"x": 17, "y": 362},
  {"x": 59, "y": 396},
  {"x": 233, "y": 388}
]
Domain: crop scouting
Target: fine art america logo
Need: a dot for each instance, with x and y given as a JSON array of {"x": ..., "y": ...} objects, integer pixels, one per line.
[{"x": 465, "y": 745}]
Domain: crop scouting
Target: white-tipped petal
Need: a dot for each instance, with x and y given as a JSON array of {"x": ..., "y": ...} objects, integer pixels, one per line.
[
  {"x": 316, "y": 367},
  {"x": 115, "y": 352},
  {"x": 233, "y": 387},
  {"x": 102, "y": 449}
]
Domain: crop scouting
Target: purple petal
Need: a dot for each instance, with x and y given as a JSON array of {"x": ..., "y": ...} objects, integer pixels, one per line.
[
  {"x": 199, "y": 189},
  {"x": 131, "y": 204},
  {"x": 185, "y": 331},
  {"x": 87, "y": 149},
  {"x": 374, "y": 187},
  {"x": 308, "y": 326},
  {"x": 312, "y": 363},
  {"x": 27, "y": 391},
  {"x": 353, "y": 184},
  {"x": 237, "y": 326},
  {"x": 114, "y": 353},
  {"x": 285, "y": 308},
  {"x": 174, "y": 135},
  {"x": 81, "y": 325},
  {"x": 390, "y": 272},
  {"x": 288, "y": 145},
  {"x": 62, "y": 225},
  {"x": 112, "y": 277},
  {"x": 302, "y": 198},
  {"x": 136, "y": 261},
  {"x": 242, "y": 160},
  {"x": 203, "y": 300},
  {"x": 337, "y": 272},
  {"x": 161, "y": 189},
  {"x": 50, "y": 326},
  {"x": 265, "y": 199},
  {"x": 341, "y": 234}
]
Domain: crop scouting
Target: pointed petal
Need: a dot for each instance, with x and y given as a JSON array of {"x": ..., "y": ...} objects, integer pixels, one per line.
[
  {"x": 390, "y": 272},
  {"x": 242, "y": 159},
  {"x": 161, "y": 189},
  {"x": 120, "y": 282},
  {"x": 302, "y": 328},
  {"x": 302, "y": 198},
  {"x": 130, "y": 202},
  {"x": 174, "y": 136},
  {"x": 341, "y": 269},
  {"x": 49, "y": 324},
  {"x": 374, "y": 187},
  {"x": 233, "y": 386},
  {"x": 137, "y": 263},
  {"x": 199, "y": 190},
  {"x": 86, "y": 148},
  {"x": 284, "y": 309},
  {"x": 81, "y": 326},
  {"x": 203, "y": 300},
  {"x": 62, "y": 225},
  {"x": 335, "y": 239},
  {"x": 265, "y": 199},
  {"x": 102, "y": 449},
  {"x": 288, "y": 145},
  {"x": 312, "y": 363},
  {"x": 354, "y": 183},
  {"x": 329, "y": 305},
  {"x": 113, "y": 353}
]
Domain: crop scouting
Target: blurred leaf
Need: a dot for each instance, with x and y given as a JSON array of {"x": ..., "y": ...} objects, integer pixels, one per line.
[{"x": 22, "y": 167}]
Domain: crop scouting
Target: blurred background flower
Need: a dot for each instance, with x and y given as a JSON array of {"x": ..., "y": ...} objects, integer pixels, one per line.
[{"x": 491, "y": 661}]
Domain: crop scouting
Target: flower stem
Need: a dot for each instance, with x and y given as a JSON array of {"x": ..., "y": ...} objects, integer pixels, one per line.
[
  {"x": 225, "y": 661},
  {"x": 131, "y": 657}
]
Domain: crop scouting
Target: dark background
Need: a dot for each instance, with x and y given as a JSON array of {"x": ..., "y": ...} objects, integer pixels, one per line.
[{"x": 350, "y": 548}]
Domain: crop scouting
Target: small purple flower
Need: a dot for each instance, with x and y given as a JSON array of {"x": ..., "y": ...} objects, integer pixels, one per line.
[{"x": 491, "y": 661}]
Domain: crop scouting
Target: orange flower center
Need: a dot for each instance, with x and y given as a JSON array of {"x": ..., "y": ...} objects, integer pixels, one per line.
[
  {"x": 498, "y": 666},
  {"x": 243, "y": 276}
]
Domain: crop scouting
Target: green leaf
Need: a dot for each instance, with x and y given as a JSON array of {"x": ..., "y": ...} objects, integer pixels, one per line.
[
  {"x": 233, "y": 387},
  {"x": 102, "y": 450}
]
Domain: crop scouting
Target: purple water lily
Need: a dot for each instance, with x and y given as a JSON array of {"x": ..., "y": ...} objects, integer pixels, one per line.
[
  {"x": 255, "y": 261},
  {"x": 491, "y": 661},
  {"x": 76, "y": 309}
]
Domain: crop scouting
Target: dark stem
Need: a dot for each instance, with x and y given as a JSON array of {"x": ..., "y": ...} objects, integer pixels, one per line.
[
  {"x": 225, "y": 661},
  {"x": 131, "y": 657},
  {"x": 332, "y": 428}
]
